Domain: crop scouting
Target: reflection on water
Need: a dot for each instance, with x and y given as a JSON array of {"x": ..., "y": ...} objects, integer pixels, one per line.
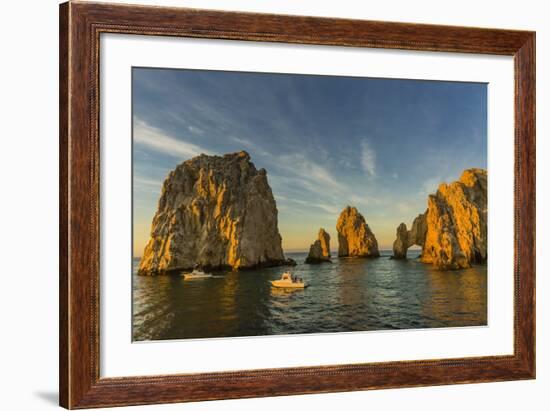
[{"x": 347, "y": 295}]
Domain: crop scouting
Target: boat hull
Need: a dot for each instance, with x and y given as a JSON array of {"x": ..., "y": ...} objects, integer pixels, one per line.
[
  {"x": 287, "y": 284},
  {"x": 195, "y": 277}
]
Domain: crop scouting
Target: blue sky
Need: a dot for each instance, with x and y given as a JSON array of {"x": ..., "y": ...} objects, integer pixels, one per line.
[{"x": 381, "y": 145}]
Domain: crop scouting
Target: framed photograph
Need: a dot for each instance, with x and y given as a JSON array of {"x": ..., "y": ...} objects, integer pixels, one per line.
[{"x": 259, "y": 205}]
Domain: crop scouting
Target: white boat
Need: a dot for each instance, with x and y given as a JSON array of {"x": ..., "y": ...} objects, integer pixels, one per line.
[
  {"x": 288, "y": 281},
  {"x": 195, "y": 274}
]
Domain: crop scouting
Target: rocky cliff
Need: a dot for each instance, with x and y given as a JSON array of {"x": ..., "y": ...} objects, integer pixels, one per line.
[
  {"x": 355, "y": 239},
  {"x": 215, "y": 212},
  {"x": 455, "y": 224},
  {"x": 319, "y": 252}
]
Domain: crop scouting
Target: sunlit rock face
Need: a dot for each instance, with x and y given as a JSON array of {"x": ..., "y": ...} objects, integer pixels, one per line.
[
  {"x": 215, "y": 212},
  {"x": 453, "y": 230},
  {"x": 407, "y": 238},
  {"x": 355, "y": 239},
  {"x": 457, "y": 222},
  {"x": 319, "y": 252}
]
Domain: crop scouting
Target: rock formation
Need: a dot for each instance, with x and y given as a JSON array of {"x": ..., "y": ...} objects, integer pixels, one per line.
[
  {"x": 453, "y": 231},
  {"x": 319, "y": 252},
  {"x": 405, "y": 239},
  {"x": 215, "y": 212},
  {"x": 457, "y": 222},
  {"x": 401, "y": 243},
  {"x": 355, "y": 239}
]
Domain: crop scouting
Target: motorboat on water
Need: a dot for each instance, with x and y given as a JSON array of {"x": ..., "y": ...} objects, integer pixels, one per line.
[
  {"x": 195, "y": 274},
  {"x": 289, "y": 281}
]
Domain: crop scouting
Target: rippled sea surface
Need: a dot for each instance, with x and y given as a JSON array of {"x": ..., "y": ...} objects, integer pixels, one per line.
[{"x": 347, "y": 295}]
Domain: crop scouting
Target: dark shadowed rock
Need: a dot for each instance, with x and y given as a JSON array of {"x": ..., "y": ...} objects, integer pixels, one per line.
[
  {"x": 319, "y": 252},
  {"x": 290, "y": 262},
  {"x": 401, "y": 243}
]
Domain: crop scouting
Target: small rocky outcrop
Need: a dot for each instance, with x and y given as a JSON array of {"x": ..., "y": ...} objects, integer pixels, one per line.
[
  {"x": 216, "y": 212},
  {"x": 291, "y": 262},
  {"x": 453, "y": 230},
  {"x": 319, "y": 252},
  {"x": 355, "y": 239}
]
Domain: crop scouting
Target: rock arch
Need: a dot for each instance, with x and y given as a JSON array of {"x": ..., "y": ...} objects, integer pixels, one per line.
[{"x": 407, "y": 238}]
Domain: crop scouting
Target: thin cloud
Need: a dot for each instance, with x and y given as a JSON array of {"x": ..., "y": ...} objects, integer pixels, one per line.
[
  {"x": 431, "y": 185},
  {"x": 328, "y": 208},
  {"x": 147, "y": 185},
  {"x": 312, "y": 174},
  {"x": 368, "y": 158},
  {"x": 195, "y": 130},
  {"x": 147, "y": 181},
  {"x": 308, "y": 204},
  {"x": 155, "y": 139},
  {"x": 404, "y": 207},
  {"x": 359, "y": 200},
  {"x": 254, "y": 148}
]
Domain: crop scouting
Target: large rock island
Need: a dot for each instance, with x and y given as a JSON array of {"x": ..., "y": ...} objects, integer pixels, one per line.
[
  {"x": 319, "y": 252},
  {"x": 355, "y": 239},
  {"x": 215, "y": 212},
  {"x": 454, "y": 227}
]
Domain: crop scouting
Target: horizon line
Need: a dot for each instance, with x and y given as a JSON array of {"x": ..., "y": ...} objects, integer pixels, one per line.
[{"x": 297, "y": 250}]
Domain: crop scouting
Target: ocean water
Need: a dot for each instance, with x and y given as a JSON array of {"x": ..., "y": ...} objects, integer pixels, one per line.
[{"x": 347, "y": 295}]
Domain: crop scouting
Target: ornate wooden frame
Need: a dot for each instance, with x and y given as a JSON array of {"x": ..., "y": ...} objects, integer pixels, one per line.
[{"x": 80, "y": 27}]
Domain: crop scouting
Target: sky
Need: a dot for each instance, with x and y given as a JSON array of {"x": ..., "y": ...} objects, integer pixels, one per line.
[{"x": 381, "y": 145}]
